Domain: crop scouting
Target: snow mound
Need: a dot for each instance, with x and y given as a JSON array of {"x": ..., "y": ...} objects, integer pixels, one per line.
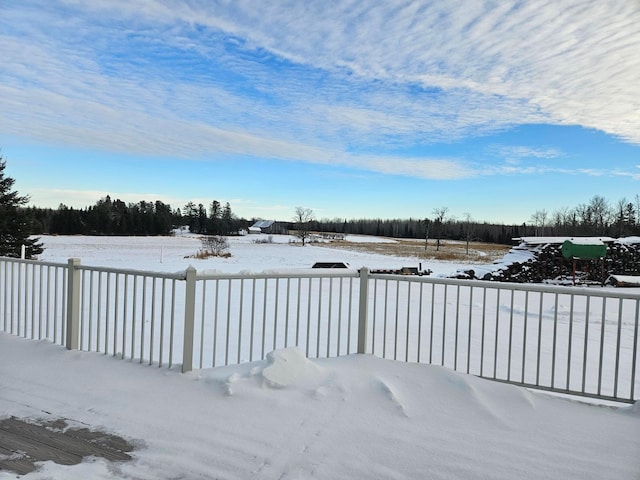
[
  {"x": 282, "y": 368},
  {"x": 286, "y": 366}
]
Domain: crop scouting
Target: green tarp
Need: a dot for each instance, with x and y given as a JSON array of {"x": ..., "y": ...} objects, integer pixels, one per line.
[{"x": 583, "y": 251}]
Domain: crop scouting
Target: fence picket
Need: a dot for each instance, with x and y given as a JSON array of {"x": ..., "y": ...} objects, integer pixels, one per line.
[{"x": 65, "y": 303}]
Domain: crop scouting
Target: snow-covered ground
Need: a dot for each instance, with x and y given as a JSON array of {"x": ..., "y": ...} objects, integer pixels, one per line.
[
  {"x": 291, "y": 417},
  {"x": 170, "y": 254}
]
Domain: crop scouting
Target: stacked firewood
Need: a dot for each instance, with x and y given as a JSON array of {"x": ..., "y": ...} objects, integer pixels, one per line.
[
  {"x": 622, "y": 259},
  {"x": 548, "y": 264}
]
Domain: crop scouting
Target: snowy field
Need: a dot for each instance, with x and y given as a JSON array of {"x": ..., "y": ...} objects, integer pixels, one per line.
[
  {"x": 170, "y": 254},
  {"x": 295, "y": 418}
]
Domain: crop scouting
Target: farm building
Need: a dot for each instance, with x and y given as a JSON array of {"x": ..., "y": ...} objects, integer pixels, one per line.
[{"x": 268, "y": 226}]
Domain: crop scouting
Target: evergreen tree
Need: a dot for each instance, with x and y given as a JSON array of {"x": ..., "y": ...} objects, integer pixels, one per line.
[
  {"x": 202, "y": 218},
  {"x": 227, "y": 220},
  {"x": 215, "y": 214},
  {"x": 163, "y": 220},
  {"x": 191, "y": 212},
  {"x": 15, "y": 221}
]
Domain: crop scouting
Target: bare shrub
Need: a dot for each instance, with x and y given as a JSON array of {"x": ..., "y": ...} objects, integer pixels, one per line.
[
  {"x": 213, "y": 246},
  {"x": 202, "y": 255}
]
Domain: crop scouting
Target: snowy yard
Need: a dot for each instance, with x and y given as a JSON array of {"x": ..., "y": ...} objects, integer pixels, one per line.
[{"x": 356, "y": 416}]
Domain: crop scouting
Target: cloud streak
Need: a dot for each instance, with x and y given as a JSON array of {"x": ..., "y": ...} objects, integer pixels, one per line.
[
  {"x": 320, "y": 82},
  {"x": 573, "y": 62}
]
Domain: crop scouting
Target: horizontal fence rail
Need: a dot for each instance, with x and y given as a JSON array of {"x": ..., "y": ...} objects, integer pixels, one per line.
[{"x": 574, "y": 340}]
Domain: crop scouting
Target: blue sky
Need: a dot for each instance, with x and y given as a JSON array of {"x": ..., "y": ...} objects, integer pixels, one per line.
[{"x": 355, "y": 109}]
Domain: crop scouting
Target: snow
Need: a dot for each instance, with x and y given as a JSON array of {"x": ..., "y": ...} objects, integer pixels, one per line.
[
  {"x": 560, "y": 240},
  {"x": 629, "y": 240},
  {"x": 171, "y": 254},
  {"x": 285, "y": 366},
  {"x": 369, "y": 239},
  {"x": 624, "y": 280},
  {"x": 291, "y": 417}
]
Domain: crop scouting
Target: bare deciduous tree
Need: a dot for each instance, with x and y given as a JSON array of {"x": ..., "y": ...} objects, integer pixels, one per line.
[
  {"x": 427, "y": 223},
  {"x": 539, "y": 219},
  {"x": 303, "y": 218},
  {"x": 468, "y": 219},
  {"x": 439, "y": 214}
]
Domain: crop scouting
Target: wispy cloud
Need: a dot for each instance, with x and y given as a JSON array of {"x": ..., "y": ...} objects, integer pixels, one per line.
[
  {"x": 530, "y": 152},
  {"x": 519, "y": 170},
  {"x": 316, "y": 81},
  {"x": 515, "y": 154},
  {"x": 571, "y": 62}
]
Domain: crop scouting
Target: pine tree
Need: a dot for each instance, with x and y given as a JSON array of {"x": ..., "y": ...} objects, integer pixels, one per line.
[{"x": 15, "y": 222}]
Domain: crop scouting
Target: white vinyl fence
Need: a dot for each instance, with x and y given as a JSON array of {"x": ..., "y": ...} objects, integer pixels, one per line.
[{"x": 574, "y": 340}]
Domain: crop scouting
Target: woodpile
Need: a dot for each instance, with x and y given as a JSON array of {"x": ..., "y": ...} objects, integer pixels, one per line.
[
  {"x": 548, "y": 265},
  {"x": 622, "y": 259}
]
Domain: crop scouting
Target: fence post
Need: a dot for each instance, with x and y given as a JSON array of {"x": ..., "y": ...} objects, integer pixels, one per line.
[
  {"x": 363, "y": 310},
  {"x": 189, "y": 314},
  {"x": 73, "y": 304}
]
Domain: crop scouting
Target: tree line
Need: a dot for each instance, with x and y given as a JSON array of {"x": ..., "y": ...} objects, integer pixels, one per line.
[
  {"x": 115, "y": 217},
  {"x": 598, "y": 217},
  {"x": 218, "y": 219},
  {"x": 425, "y": 228}
]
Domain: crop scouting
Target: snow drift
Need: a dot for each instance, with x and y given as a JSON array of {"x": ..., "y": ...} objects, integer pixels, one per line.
[{"x": 292, "y": 417}]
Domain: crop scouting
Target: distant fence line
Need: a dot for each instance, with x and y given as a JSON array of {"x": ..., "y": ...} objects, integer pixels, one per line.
[{"x": 573, "y": 340}]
